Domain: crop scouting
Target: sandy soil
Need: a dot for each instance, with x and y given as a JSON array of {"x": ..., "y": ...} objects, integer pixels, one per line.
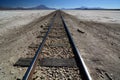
[
  {"x": 15, "y": 39},
  {"x": 96, "y": 15},
  {"x": 99, "y": 44}
]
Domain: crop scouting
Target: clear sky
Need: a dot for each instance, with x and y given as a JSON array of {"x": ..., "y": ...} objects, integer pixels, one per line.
[{"x": 62, "y": 3}]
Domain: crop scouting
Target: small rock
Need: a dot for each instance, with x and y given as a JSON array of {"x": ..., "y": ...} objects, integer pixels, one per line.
[
  {"x": 119, "y": 57},
  {"x": 12, "y": 72},
  {"x": 0, "y": 68},
  {"x": 3, "y": 72},
  {"x": 41, "y": 26},
  {"x": 19, "y": 79},
  {"x": 69, "y": 78},
  {"x": 62, "y": 74},
  {"x": 20, "y": 69},
  {"x": 80, "y": 31},
  {"x": 50, "y": 72},
  {"x": 50, "y": 79},
  {"x": 42, "y": 77},
  {"x": 112, "y": 43}
]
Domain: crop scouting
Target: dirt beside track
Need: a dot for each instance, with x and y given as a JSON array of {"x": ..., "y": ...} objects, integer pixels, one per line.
[
  {"x": 99, "y": 44},
  {"x": 14, "y": 45}
]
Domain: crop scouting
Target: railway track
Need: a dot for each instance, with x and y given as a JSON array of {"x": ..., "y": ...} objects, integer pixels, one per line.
[{"x": 57, "y": 57}]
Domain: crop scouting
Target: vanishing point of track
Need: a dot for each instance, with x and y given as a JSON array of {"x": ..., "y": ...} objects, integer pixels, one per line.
[{"x": 57, "y": 57}]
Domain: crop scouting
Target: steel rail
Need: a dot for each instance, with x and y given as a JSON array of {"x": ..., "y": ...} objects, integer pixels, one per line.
[
  {"x": 80, "y": 62},
  {"x": 30, "y": 70}
]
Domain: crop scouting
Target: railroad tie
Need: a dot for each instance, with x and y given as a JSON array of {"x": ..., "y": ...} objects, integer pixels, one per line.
[
  {"x": 48, "y": 62},
  {"x": 57, "y": 62}
]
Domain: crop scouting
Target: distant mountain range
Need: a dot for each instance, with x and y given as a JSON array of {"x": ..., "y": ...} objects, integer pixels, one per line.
[
  {"x": 87, "y": 8},
  {"x": 40, "y": 7},
  {"x": 43, "y": 7}
]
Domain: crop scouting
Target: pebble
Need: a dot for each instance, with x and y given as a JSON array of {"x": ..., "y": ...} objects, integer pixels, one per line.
[
  {"x": 50, "y": 72},
  {"x": 50, "y": 79},
  {"x": 41, "y": 26},
  {"x": 69, "y": 78},
  {"x": 20, "y": 69},
  {"x": 0, "y": 68},
  {"x": 3, "y": 72},
  {"x": 80, "y": 31},
  {"x": 18, "y": 79},
  {"x": 12, "y": 72},
  {"x": 42, "y": 77}
]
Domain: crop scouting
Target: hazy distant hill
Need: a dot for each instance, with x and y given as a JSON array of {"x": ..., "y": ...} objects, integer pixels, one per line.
[
  {"x": 93, "y": 8},
  {"x": 40, "y": 7},
  {"x": 86, "y": 8},
  {"x": 43, "y": 7}
]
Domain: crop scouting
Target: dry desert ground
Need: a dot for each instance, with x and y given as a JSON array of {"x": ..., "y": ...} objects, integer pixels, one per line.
[{"x": 96, "y": 34}]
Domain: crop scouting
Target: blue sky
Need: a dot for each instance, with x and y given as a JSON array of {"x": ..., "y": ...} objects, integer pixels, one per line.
[{"x": 62, "y": 3}]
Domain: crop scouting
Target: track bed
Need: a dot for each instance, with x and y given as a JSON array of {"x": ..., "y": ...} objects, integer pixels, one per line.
[{"x": 56, "y": 57}]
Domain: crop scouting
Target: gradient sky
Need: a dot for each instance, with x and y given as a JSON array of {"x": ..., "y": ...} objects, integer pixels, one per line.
[{"x": 62, "y": 3}]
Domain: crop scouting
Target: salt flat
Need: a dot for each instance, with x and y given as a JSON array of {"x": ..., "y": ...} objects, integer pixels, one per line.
[
  {"x": 96, "y": 15},
  {"x": 11, "y": 19}
]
